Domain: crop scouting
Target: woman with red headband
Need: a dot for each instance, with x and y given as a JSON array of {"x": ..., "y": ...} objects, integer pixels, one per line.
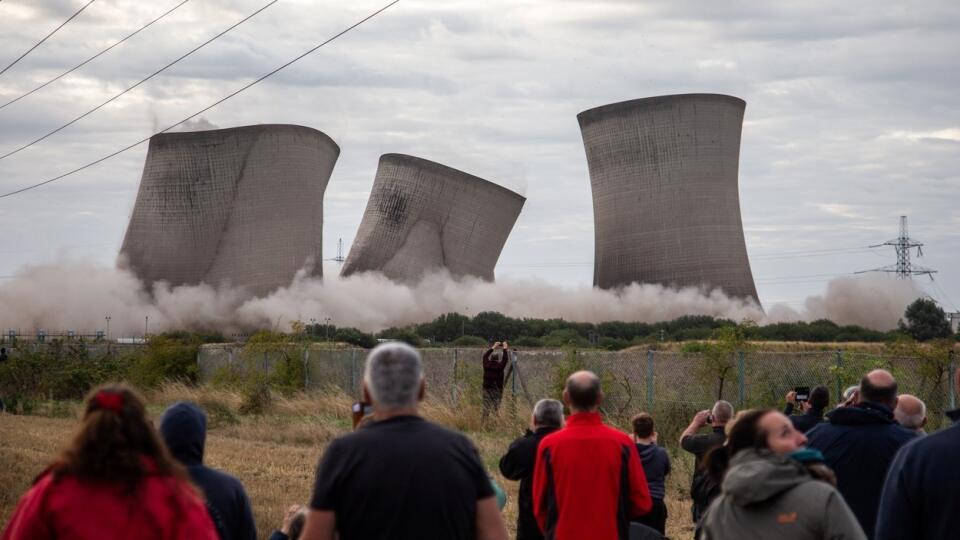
[{"x": 116, "y": 479}]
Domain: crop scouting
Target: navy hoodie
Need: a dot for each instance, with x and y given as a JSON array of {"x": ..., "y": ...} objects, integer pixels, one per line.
[
  {"x": 859, "y": 444},
  {"x": 184, "y": 428},
  {"x": 920, "y": 496},
  {"x": 656, "y": 466}
]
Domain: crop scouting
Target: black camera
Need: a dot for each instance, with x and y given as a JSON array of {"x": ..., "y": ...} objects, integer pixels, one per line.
[{"x": 803, "y": 393}]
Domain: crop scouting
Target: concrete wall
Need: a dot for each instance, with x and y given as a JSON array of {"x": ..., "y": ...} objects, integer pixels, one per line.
[
  {"x": 422, "y": 215},
  {"x": 242, "y": 206},
  {"x": 666, "y": 206}
]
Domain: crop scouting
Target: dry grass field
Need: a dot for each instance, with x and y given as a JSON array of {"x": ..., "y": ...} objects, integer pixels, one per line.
[{"x": 275, "y": 453}]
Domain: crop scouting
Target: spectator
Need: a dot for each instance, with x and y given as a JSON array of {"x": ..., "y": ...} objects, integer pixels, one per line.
[
  {"x": 115, "y": 479},
  {"x": 911, "y": 413},
  {"x": 656, "y": 467},
  {"x": 812, "y": 408},
  {"x": 518, "y": 463},
  {"x": 401, "y": 476},
  {"x": 860, "y": 441},
  {"x": 588, "y": 481},
  {"x": 850, "y": 395},
  {"x": 702, "y": 488},
  {"x": 916, "y": 500},
  {"x": 184, "y": 428},
  {"x": 292, "y": 526},
  {"x": 493, "y": 375},
  {"x": 765, "y": 493}
]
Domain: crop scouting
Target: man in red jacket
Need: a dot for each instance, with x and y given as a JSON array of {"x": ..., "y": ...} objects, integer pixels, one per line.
[{"x": 588, "y": 480}]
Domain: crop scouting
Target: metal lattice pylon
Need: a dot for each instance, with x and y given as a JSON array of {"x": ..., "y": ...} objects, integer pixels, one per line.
[{"x": 903, "y": 244}]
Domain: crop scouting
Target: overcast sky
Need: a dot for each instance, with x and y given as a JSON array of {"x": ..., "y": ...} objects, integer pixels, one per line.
[{"x": 852, "y": 119}]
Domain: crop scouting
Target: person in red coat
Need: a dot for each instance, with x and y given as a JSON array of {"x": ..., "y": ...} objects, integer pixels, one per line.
[
  {"x": 588, "y": 481},
  {"x": 116, "y": 479}
]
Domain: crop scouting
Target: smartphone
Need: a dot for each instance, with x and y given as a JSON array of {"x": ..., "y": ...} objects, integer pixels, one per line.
[
  {"x": 360, "y": 410},
  {"x": 803, "y": 393}
]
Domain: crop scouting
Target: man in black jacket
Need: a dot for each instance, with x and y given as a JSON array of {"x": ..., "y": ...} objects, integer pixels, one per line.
[
  {"x": 916, "y": 501},
  {"x": 813, "y": 408},
  {"x": 702, "y": 488},
  {"x": 494, "y": 363},
  {"x": 519, "y": 461},
  {"x": 184, "y": 429},
  {"x": 859, "y": 443}
]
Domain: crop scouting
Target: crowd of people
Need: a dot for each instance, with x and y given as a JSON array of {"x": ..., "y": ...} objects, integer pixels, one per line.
[{"x": 863, "y": 468}]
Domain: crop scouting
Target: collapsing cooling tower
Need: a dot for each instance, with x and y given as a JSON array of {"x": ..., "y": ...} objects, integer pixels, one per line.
[
  {"x": 240, "y": 206},
  {"x": 665, "y": 202},
  {"x": 422, "y": 215}
]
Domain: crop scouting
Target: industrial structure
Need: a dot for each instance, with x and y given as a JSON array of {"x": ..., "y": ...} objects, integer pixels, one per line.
[
  {"x": 423, "y": 215},
  {"x": 666, "y": 206},
  {"x": 240, "y": 206},
  {"x": 902, "y": 244}
]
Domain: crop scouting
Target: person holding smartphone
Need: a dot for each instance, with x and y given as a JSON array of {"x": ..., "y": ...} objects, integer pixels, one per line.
[
  {"x": 811, "y": 403},
  {"x": 495, "y": 361}
]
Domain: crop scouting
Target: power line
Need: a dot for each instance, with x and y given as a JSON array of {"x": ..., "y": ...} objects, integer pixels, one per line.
[
  {"x": 902, "y": 244},
  {"x": 141, "y": 141},
  {"x": 141, "y": 81},
  {"x": 94, "y": 57},
  {"x": 79, "y": 11}
]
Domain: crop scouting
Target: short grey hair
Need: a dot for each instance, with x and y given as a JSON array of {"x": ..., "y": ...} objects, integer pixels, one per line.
[
  {"x": 722, "y": 411},
  {"x": 911, "y": 421},
  {"x": 393, "y": 374},
  {"x": 548, "y": 413}
]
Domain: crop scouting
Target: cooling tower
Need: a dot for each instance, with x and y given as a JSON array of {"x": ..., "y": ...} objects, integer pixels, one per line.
[
  {"x": 240, "y": 206},
  {"x": 422, "y": 215},
  {"x": 665, "y": 203}
]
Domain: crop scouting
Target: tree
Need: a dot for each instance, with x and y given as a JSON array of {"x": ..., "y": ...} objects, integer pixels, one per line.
[{"x": 925, "y": 320}]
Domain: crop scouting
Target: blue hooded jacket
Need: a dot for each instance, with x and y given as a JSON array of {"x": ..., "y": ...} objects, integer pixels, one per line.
[
  {"x": 920, "y": 496},
  {"x": 859, "y": 444},
  {"x": 184, "y": 429}
]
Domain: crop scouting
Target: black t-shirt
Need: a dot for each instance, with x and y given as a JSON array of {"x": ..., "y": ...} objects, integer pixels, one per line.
[{"x": 402, "y": 477}]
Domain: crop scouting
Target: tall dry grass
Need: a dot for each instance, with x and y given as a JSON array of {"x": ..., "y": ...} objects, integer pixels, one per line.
[{"x": 275, "y": 453}]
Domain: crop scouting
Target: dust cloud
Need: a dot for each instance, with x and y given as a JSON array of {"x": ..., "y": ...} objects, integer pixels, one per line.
[{"x": 79, "y": 295}]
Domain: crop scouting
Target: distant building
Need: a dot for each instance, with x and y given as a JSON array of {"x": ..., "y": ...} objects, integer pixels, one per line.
[
  {"x": 666, "y": 206},
  {"x": 242, "y": 206},
  {"x": 423, "y": 216}
]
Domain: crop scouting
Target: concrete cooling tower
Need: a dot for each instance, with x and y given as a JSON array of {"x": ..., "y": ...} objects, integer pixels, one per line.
[
  {"x": 240, "y": 206},
  {"x": 665, "y": 203},
  {"x": 422, "y": 215}
]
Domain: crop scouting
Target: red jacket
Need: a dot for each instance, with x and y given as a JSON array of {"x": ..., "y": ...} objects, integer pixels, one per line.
[
  {"x": 588, "y": 482},
  {"x": 68, "y": 509}
]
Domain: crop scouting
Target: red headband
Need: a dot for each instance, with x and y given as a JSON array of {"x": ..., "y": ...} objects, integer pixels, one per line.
[{"x": 109, "y": 400}]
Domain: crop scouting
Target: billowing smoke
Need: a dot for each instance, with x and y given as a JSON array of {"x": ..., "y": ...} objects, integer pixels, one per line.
[{"x": 79, "y": 295}]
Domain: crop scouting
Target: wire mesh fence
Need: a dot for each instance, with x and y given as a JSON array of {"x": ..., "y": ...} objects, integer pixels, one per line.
[{"x": 667, "y": 383}]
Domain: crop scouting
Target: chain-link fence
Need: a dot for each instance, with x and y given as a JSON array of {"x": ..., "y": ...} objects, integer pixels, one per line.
[{"x": 672, "y": 384}]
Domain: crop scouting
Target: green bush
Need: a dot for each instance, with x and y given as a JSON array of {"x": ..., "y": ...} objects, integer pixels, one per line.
[
  {"x": 565, "y": 338},
  {"x": 470, "y": 341},
  {"x": 527, "y": 341},
  {"x": 405, "y": 335},
  {"x": 355, "y": 337},
  {"x": 164, "y": 359}
]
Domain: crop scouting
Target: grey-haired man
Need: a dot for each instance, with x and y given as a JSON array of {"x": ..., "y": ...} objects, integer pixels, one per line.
[{"x": 401, "y": 476}]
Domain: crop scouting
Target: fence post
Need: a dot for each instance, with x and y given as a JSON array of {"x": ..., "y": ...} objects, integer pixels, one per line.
[
  {"x": 353, "y": 371},
  {"x": 306, "y": 367},
  {"x": 513, "y": 380},
  {"x": 453, "y": 387},
  {"x": 741, "y": 375},
  {"x": 953, "y": 392},
  {"x": 650, "y": 380},
  {"x": 839, "y": 365}
]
